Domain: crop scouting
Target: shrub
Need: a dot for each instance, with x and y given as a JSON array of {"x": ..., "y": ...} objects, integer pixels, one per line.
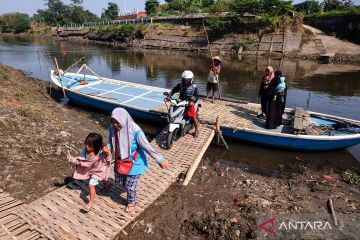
[
  {"x": 128, "y": 29},
  {"x": 351, "y": 177}
]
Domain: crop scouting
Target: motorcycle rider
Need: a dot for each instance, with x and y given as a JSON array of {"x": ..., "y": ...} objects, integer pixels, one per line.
[{"x": 188, "y": 92}]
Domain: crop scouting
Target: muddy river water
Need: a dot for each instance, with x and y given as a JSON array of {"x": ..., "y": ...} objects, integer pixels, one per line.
[{"x": 332, "y": 89}]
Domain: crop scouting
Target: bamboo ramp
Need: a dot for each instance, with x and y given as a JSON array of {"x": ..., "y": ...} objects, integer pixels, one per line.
[
  {"x": 11, "y": 225},
  {"x": 57, "y": 215},
  {"x": 233, "y": 114}
]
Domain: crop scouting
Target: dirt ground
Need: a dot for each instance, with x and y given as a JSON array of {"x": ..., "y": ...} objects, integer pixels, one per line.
[
  {"x": 222, "y": 201},
  {"x": 35, "y": 134}
]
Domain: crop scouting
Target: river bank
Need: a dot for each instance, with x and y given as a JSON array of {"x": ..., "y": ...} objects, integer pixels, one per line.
[
  {"x": 223, "y": 199},
  {"x": 303, "y": 42}
]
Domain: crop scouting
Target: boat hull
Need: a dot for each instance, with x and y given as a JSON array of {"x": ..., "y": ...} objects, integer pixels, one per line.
[
  {"x": 154, "y": 117},
  {"x": 286, "y": 141}
]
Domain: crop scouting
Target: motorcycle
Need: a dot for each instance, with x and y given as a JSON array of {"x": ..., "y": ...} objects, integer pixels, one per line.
[{"x": 179, "y": 124}]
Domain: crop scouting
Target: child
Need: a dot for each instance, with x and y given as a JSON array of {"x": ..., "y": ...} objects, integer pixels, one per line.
[
  {"x": 94, "y": 163},
  {"x": 213, "y": 78},
  {"x": 280, "y": 87}
]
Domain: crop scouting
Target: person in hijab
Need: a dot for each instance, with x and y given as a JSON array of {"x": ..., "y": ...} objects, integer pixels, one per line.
[
  {"x": 264, "y": 90},
  {"x": 125, "y": 137},
  {"x": 276, "y": 101}
]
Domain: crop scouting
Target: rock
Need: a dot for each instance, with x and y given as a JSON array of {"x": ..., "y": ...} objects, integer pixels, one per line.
[
  {"x": 8, "y": 177},
  {"x": 204, "y": 167},
  {"x": 65, "y": 134},
  {"x": 265, "y": 202},
  {"x": 237, "y": 233},
  {"x": 248, "y": 182},
  {"x": 233, "y": 220},
  {"x": 148, "y": 228},
  {"x": 96, "y": 122},
  {"x": 58, "y": 151}
]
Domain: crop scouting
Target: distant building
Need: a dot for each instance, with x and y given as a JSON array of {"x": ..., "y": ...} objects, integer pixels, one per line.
[{"x": 132, "y": 15}]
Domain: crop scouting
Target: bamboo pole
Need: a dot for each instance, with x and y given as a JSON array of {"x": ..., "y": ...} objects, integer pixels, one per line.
[
  {"x": 72, "y": 65},
  {"x": 332, "y": 211},
  {"x": 219, "y": 133},
  {"x": 194, "y": 165},
  {"x": 59, "y": 75},
  {"x": 212, "y": 58},
  {"x": 75, "y": 75}
]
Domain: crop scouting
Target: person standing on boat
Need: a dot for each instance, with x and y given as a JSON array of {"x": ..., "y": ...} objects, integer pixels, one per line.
[
  {"x": 264, "y": 90},
  {"x": 188, "y": 92},
  {"x": 127, "y": 140},
  {"x": 278, "y": 75},
  {"x": 276, "y": 101},
  {"x": 213, "y": 78}
]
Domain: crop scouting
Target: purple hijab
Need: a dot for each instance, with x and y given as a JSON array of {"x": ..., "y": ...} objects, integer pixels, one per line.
[{"x": 126, "y": 133}]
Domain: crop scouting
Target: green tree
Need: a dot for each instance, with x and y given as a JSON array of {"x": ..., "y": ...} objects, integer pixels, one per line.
[
  {"x": 259, "y": 7},
  {"x": 22, "y": 23},
  {"x": 308, "y": 7},
  {"x": 58, "y": 13},
  {"x": 331, "y": 5},
  {"x": 151, "y": 7},
  {"x": 111, "y": 12},
  {"x": 77, "y": 2},
  {"x": 14, "y": 22},
  {"x": 246, "y": 6},
  {"x": 185, "y": 6},
  {"x": 207, "y": 3}
]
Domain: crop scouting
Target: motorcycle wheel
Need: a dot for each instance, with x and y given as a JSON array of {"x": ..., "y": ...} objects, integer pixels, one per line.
[{"x": 176, "y": 134}]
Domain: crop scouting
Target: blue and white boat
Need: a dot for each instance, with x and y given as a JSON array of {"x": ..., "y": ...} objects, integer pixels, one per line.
[{"x": 239, "y": 118}]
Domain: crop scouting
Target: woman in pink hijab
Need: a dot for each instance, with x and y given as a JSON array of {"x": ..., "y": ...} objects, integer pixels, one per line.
[{"x": 264, "y": 90}]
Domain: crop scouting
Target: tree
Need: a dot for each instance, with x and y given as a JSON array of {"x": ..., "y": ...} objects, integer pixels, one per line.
[
  {"x": 258, "y": 7},
  {"x": 331, "y": 5},
  {"x": 22, "y": 23},
  {"x": 111, "y": 12},
  {"x": 58, "y": 13},
  {"x": 151, "y": 7},
  {"x": 185, "y": 6},
  {"x": 308, "y": 7},
  {"x": 14, "y": 22},
  {"x": 246, "y": 6},
  {"x": 77, "y": 2}
]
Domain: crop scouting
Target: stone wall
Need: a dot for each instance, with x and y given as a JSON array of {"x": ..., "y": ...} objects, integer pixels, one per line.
[{"x": 345, "y": 26}]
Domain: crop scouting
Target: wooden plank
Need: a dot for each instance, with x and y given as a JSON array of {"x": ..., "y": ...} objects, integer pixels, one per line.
[{"x": 57, "y": 214}]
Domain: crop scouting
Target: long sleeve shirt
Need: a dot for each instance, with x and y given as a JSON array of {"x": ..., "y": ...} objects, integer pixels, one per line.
[
  {"x": 97, "y": 166},
  {"x": 142, "y": 144}
]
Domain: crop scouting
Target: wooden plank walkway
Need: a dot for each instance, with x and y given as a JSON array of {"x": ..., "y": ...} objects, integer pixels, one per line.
[
  {"x": 57, "y": 215},
  {"x": 11, "y": 225},
  {"x": 232, "y": 114}
]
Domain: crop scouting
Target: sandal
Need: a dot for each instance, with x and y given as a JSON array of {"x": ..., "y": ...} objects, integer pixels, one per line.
[
  {"x": 129, "y": 208},
  {"x": 86, "y": 209}
]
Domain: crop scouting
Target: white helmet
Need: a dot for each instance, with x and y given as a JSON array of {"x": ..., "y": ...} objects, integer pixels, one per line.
[
  {"x": 187, "y": 77},
  {"x": 187, "y": 74}
]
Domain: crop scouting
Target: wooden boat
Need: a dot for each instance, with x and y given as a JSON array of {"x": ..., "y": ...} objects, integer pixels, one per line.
[{"x": 238, "y": 119}]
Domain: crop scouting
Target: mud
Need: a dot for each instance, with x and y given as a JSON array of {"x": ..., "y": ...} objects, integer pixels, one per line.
[{"x": 35, "y": 134}]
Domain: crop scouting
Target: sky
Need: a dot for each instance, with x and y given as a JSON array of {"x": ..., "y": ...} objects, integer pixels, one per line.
[{"x": 95, "y": 6}]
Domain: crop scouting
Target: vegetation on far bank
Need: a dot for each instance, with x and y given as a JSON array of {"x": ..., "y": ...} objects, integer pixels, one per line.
[{"x": 267, "y": 15}]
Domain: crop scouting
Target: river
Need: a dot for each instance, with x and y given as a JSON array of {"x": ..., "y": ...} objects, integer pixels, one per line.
[{"x": 332, "y": 89}]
